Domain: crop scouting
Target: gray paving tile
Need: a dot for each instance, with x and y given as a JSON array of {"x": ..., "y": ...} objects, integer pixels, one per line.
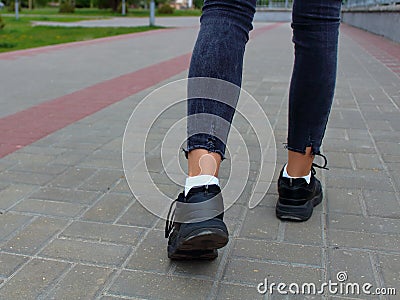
[
  {"x": 65, "y": 144},
  {"x": 395, "y": 175},
  {"x": 121, "y": 187},
  {"x": 365, "y": 179},
  {"x": 103, "y": 232},
  {"x": 104, "y": 159},
  {"x": 339, "y": 159},
  {"x": 90, "y": 252},
  {"x": 49, "y": 208},
  {"x": 284, "y": 252},
  {"x": 9, "y": 263},
  {"x": 4, "y": 164},
  {"x": 392, "y": 148},
  {"x": 357, "y": 134},
  {"x": 335, "y": 133},
  {"x": 395, "y": 166},
  {"x": 389, "y": 266},
  {"x": 363, "y": 224},
  {"x": 260, "y": 223},
  {"x": 343, "y": 200},
  {"x": 103, "y": 180},
  {"x": 38, "y": 167},
  {"x": 233, "y": 291},
  {"x": 140, "y": 284},
  {"x": 384, "y": 135},
  {"x": 113, "y": 145},
  {"x": 33, "y": 280},
  {"x": 307, "y": 233},
  {"x": 48, "y": 141},
  {"x": 151, "y": 254},
  {"x": 355, "y": 264},
  {"x": 27, "y": 158},
  {"x": 390, "y": 158},
  {"x": 347, "y": 146},
  {"x": 363, "y": 240},
  {"x": 3, "y": 185},
  {"x": 34, "y": 236},
  {"x": 380, "y": 125},
  {"x": 234, "y": 212},
  {"x": 66, "y": 195},
  {"x": 81, "y": 282},
  {"x": 72, "y": 178},
  {"x": 10, "y": 176},
  {"x": 253, "y": 273},
  {"x": 13, "y": 193},
  {"x": 137, "y": 215},
  {"x": 10, "y": 223},
  {"x": 367, "y": 161},
  {"x": 42, "y": 150},
  {"x": 108, "y": 208},
  {"x": 200, "y": 269},
  {"x": 71, "y": 157}
]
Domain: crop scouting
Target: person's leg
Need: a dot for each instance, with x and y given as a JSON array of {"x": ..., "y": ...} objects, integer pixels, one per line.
[
  {"x": 218, "y": 53},
  {"x": 315, "y": 35},
  {"x": 218, "y": 56}
]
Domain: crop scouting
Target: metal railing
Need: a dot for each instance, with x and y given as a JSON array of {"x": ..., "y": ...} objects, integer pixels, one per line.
[
  {"x": 365, "y": 3},
  {"x": 275, "y": 3}
]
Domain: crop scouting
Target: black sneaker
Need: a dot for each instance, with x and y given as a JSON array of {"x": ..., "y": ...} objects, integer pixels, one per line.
[
  {"x": 297, "y": 198},
  {"x": 197, "y": 228}
]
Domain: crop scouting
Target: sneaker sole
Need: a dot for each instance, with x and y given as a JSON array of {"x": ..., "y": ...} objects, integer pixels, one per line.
[
  {"x": 299, "y": 213},
  {"x": 194, "y": 255},
  {"x": 199, "y": 244},
  {"x": 209, "y": 239}
]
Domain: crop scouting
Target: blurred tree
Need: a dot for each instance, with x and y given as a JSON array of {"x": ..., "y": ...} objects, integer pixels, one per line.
[
  {"x": 41, "y": 3},
  {"x": 198, "y": 3},
  {"x": 67, "y": 6},
  {"x": 2, "y": 24},
  {"x": 82, "y": 3}
]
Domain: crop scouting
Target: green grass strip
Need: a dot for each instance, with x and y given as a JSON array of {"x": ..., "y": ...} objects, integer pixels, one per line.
[{"x": 18, "y": 35}]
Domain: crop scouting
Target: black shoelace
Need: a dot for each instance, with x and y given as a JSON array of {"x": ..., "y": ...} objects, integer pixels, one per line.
[{"x": 314, "y": 165}]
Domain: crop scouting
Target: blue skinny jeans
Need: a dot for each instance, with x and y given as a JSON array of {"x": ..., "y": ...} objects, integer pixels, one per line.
[{"x": 219, "y": 51}]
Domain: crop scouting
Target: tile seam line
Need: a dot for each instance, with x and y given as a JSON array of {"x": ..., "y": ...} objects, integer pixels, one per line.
[{"x": 49, "y": 118}]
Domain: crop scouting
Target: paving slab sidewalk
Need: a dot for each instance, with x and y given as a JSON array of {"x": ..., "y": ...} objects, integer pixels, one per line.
[{"x": 70, "y": 227}]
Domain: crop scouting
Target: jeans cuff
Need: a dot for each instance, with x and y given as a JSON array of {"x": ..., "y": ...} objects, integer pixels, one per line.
[
  {"x": 314, "y": 149},
  {"x": 187, "y": 150}
]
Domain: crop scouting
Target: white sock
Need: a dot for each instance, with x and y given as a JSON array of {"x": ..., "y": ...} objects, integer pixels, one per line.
[
  {"x": 286, "y": 175},
  {"x": 200, "y": 180}
]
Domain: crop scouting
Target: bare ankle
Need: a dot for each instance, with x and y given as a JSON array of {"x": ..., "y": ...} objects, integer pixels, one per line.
[
  {"x": 202, "y": 162},
  {"x": 299, "y": 164}
]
